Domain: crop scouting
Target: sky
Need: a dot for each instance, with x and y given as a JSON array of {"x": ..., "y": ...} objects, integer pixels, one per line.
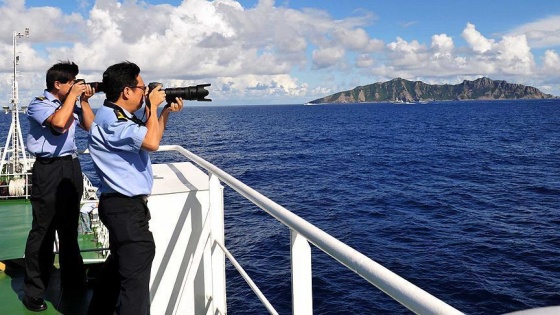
[{"x": 284, "y": 52}]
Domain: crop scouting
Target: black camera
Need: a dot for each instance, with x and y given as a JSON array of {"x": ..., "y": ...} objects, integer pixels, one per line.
[
  {"x": 97, "y": 86},
  {"x": 188, "y": 93}
]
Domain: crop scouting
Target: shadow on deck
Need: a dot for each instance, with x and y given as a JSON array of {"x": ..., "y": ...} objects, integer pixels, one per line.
[{"x": 59, "y": 301}]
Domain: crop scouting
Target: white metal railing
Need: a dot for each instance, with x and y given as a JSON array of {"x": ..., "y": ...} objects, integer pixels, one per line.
[
  {"x": 251, "y": 283},
  {"x": 303, "y": 233},
  {"x": 18, "y": 185}
]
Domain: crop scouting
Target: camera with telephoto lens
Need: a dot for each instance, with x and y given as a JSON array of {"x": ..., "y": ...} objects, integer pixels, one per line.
[
  {"x": 97, "y": 86},
  {"x": 188, "y": 93}
]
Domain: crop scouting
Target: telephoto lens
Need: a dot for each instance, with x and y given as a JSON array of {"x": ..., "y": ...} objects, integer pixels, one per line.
[{"x": 188, "y": 93}]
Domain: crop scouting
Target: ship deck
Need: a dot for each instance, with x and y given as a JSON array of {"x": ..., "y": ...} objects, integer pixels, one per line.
[
  {"x": 58, "y": 301},
  {"x": 14, "y": 227}
]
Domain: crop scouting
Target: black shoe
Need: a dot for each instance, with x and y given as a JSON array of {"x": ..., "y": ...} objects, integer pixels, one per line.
[{"x": 34, "y": 304}]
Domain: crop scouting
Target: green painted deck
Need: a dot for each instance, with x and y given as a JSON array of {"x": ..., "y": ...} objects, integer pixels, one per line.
[
  {"x": 58, "y": 301},
  {"x": 15, "y": 223}
]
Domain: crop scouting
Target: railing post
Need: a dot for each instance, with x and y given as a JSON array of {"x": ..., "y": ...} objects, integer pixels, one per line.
[
  {"x": 216, "y": 194},
  {"x": 302, "y": 292}
]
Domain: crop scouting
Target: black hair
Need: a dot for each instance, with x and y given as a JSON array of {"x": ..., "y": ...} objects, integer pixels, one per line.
[
  {"x": 119, "y": 76},
  {"x": 63, "y": 72}
]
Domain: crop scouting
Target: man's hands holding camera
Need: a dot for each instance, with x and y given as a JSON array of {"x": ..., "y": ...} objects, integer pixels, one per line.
[
  {"x": 156, "y": 96},
  {"x": 175, "y": 106},
  {"x": 80, "y": 90}
]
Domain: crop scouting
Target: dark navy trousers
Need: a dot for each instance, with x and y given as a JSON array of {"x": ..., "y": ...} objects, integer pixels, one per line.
[
  {"x": 123, "y": 283},
  {"x": 57, "y": 188}
]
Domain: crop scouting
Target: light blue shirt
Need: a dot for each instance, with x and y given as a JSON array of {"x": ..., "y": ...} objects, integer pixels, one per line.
[
  {"x": 115, "y": 142},
  {"x": 42, "y": 140}
]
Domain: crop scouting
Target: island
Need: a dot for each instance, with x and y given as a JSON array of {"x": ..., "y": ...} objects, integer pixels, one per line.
[{"x": 404, "y": 91}]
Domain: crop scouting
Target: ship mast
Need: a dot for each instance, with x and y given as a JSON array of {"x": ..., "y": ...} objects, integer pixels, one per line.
[{"x": 14, "y": 160}]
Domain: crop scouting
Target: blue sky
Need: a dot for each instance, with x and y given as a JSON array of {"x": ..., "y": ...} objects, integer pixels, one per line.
[{"x": 287, "y": 52}]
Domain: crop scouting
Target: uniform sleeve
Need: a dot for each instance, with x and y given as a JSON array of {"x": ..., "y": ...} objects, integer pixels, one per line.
[{"x": 40, "y": 111}]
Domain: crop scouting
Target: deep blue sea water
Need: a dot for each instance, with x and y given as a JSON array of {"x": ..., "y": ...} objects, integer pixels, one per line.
[{"x": 460, "y": 198}]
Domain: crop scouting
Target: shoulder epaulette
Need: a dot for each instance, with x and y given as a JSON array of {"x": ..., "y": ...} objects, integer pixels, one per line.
[
  {"x": 41, "y": 98},
  {"x": 120, "y": 115}
]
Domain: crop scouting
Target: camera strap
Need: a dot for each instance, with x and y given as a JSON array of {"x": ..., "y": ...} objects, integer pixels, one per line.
[{"x": 121, "y": 115}]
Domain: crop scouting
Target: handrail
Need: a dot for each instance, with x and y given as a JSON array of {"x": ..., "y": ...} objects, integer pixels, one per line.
[
  {"x": 401, "y": 290},
  {"x": 248, "y": 279}
]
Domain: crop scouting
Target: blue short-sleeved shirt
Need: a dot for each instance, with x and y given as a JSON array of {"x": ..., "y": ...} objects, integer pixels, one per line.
[
  {"x": 115, "y": 142},
  {"x": 42, "y": 140}
]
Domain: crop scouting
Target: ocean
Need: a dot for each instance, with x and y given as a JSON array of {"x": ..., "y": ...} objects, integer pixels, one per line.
[{"x": 459, "y": 198}]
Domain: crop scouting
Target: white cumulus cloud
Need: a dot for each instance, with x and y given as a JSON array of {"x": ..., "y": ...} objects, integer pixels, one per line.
[
  {"x": 542, "y": 33},
  {"x": 195, "y": 41},
  {"x": 476, "y": 40}
]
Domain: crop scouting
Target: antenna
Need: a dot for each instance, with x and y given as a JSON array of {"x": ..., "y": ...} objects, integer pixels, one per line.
[{"x": 14, "y": 160}]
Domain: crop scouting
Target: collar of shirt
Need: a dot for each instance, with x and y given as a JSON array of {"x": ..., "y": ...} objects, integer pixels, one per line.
[
  {"x": 122, "y": 113},
  {"x": 51, "y": 97}
]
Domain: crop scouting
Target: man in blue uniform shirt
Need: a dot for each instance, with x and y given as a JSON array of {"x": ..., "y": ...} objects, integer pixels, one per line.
[
  {"x": 57, "y": 182},
  {"x": 119, "y": 145}
]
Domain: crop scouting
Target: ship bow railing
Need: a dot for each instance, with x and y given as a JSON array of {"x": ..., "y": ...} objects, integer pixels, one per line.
[{"x": 304, "y": 234}]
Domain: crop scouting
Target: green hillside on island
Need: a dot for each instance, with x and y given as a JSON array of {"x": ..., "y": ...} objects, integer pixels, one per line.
[{"x": 402, "y": 90}]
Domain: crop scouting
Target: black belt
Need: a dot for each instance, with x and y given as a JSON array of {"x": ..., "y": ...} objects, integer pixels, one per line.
[
  {"x": 119, "y": 195},
  {"x": 57, "y": 158}
]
